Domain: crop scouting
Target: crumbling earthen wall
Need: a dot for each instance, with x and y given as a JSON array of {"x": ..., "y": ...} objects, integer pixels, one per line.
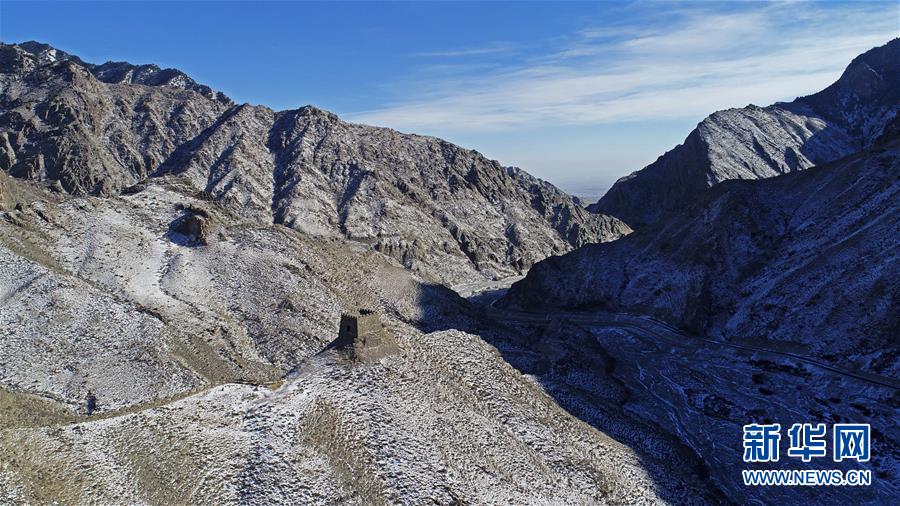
[{"x": 363, "y": 335}]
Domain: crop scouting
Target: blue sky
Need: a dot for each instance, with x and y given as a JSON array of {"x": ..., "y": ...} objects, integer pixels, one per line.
[{"x": 576, "y": 93}]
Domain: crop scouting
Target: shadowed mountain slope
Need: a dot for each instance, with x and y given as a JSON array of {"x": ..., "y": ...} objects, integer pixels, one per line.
[{"x": 806, "y": 262}]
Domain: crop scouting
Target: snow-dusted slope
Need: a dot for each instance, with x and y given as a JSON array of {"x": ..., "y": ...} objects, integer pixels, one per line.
[
  {"x": 807, "y": 262},
  {"x": 760, "y": 142},
  {"x": 158, "y": 348},
  {"x": 441, "y": 210},
  {"x": 114, "y": 72},
  {"x": 341, "y": 432},
  {"x": 113, "y": 297},
  {"x": 173, "y": 273}
]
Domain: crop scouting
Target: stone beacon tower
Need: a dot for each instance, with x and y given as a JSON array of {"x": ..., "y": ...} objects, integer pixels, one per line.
[{"x": 363, "y": 337}]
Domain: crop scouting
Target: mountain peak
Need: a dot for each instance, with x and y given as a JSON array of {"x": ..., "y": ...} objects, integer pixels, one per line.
[
  {"x": 884, "y": 58},
  {"x": 866, "y": 95},
  {"x": 46, "y": 53},
  {"x": 761, "y": 142},
  {"x": 123, "y": 72}
]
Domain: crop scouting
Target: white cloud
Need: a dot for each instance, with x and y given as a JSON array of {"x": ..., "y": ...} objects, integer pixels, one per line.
[
  {"x": 471, "y": 51},
  {"x": 692, "y": 63}
]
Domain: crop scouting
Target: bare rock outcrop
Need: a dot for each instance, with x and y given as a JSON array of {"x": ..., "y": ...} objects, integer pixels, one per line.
[
  {"x": 807, "y": 261},
  {"x": 125, "y": 73},
  {"x": 60, "y": 123},
  {"x": 438, "y": 209}
]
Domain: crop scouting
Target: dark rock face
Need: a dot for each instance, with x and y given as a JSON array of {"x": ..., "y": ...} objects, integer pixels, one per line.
[
  {"x": 808, "y": 260},
  {"x": 441, "y": 210},
  {"x": 760, "y": 142}
]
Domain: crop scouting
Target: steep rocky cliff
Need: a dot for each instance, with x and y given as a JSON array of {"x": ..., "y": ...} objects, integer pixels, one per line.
[
  {"x": 432, "y": 206},
  {"x": 438, "y": 209},
  {"x": 806, "y": 262},
  {"x": 760, "y": 142},
  {"x": 59, "y": 123}
]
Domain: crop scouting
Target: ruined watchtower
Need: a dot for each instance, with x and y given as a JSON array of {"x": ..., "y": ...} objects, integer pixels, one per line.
[
  {"x": 361, "y": 323},
  {"x": 363, "y": 336}
]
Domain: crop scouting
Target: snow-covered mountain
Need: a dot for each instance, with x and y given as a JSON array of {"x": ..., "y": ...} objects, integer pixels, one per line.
[
  {"x": 808, "y": 262},
  {"x": 174, "y": 268},
  {"x": 439, "y": 209},
  {"x": 759, "y": 142}
]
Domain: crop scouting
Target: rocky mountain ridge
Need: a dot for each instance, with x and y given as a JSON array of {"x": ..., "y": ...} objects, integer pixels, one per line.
[
  {"x": 175, "y": 268},
  {"x": 805, "y": 262},
  {"x": 116, "y": 72},
  {"x": 157, "y": 347},
  {"x": 441, "y": 210},
  {"x": 759, "y": 142}
]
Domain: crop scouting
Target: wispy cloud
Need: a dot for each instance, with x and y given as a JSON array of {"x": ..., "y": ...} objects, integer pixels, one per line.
[
  {"x": 493, "y": 49},
  {"x": 685, "y": 63}
]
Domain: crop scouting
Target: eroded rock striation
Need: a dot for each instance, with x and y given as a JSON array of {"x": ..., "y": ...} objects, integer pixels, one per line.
[
  {"x": 805, "y": 262},
  {"x": 436, "y": 208},
  {"x": 58, "y": 122}
]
